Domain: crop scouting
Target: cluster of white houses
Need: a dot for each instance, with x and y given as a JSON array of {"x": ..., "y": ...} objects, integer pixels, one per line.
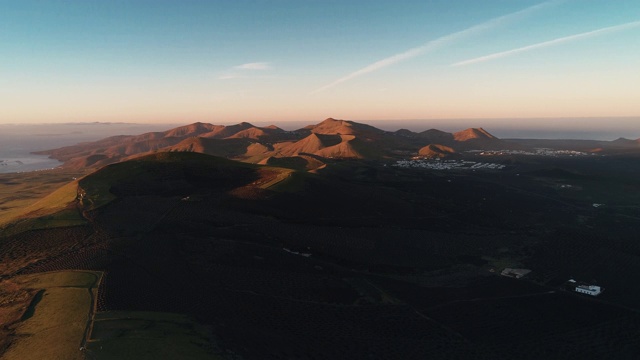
[
  {"x": 439, "y": 164},
  {"x": 535, "y": 152}
]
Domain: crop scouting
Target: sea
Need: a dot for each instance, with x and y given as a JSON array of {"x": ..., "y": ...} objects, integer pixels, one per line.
[{"x": 18, "y": 141}]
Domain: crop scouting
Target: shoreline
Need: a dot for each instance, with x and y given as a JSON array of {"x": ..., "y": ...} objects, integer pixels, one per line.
[{"x": 31, "y": 162}]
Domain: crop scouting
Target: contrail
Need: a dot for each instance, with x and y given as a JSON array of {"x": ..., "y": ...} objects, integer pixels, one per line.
[
  {"x": 434, "y": 44},
  {"x": 548, "y": 43}
]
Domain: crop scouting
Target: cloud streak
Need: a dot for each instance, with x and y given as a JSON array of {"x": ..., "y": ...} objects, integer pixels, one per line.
[
  {"x": 238, "y": 76},
  {"x": 242, "y": 71},
  {"x": 549, "y": 43},
  {"x": 253, "y": 66},
  {"x": 439, "y": 42}
]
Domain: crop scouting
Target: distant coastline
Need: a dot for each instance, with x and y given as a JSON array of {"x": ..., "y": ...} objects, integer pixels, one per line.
[
  {"x": 17, "y": 142},
  {"x": 28, "y": 162}
]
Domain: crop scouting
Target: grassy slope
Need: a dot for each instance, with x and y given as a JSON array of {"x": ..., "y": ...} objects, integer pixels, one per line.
[
  {"x": 53, "y": 326},
  {"x": 34, "y": 194},
  {"x": 54, "y": 210}
]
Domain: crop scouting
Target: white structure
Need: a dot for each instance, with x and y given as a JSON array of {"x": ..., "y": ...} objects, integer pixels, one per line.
[{"x": 592, "y": 290}]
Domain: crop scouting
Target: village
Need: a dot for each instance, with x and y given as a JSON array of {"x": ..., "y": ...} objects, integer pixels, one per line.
[
  {"x": 534, "y": 152},
  {"x": 438, "y": 164}
]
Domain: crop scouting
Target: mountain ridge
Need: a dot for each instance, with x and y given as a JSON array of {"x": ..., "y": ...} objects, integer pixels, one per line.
[{"x": 329, "y": 139}]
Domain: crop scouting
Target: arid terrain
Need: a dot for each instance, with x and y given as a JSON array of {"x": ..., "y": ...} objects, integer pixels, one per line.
[{"x": 335, "y": 241}]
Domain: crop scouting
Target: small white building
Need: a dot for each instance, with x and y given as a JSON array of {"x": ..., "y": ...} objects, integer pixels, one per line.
[{"x": 592, "y": 290}]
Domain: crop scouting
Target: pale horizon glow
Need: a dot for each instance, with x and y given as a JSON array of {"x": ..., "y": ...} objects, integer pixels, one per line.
[{"x": 222, "y": 61}]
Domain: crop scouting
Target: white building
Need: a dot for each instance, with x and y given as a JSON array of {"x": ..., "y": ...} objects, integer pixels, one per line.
[{"x": 592, "y": 290}]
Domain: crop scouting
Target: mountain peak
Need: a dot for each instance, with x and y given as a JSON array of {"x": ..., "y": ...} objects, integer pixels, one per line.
[
  {"x": 194, "y": 129},
  {"x": 333, "y": 126},
  {"x": 473, "y": 133}
]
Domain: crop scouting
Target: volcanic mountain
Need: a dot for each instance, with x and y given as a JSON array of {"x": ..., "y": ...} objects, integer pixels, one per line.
[
  {"x": 472, "y": 134},
  {"x": 478, "y": 138},
  {"x": 345, "y": 127},
  {"x": 435, "y": 136},
  {"x": 309, "y": 147},
  {"x": 436, "y": 151}
]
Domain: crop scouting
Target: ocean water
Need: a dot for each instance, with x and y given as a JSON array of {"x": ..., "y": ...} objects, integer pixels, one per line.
[
  {"x": 27, "y": 163},
  {"x": 17, "y": 142}
]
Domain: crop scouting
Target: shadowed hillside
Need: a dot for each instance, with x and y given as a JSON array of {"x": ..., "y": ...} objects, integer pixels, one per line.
[{"x": 233, "y": 260}]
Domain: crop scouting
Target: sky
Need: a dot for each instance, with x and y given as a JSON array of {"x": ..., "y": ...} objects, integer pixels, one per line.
[{"x": 527, "y": 63}]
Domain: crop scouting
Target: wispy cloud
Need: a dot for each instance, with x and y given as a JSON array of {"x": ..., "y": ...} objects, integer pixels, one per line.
[
  {"x": 439, "y": 42},
  {"x": 229, "y": 76},
  {"x": 245, "y": 71},
  {"x": 549, "y": 43},
  {"x": 240, "y": 76},
  {"x": 254, "y": 66}
]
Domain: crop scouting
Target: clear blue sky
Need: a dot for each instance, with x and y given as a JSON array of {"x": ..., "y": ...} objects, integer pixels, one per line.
[{"x": 280, "y": 60}]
